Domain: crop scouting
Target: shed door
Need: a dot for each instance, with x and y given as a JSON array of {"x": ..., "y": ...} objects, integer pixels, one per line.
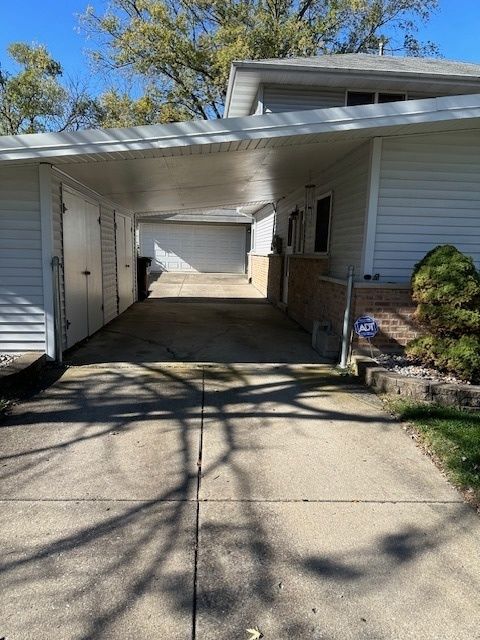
[
  {"x": 125, "y": 266},
  {"x": 195, "y": 248},
  {"x": 82, "y": 264}
]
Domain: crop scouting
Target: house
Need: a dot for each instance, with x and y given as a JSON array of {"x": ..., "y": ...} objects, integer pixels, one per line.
[{"x": 344, "y": 161}]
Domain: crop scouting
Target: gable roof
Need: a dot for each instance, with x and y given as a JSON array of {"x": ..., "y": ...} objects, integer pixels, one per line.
[
  {"x": 357, "y": 70},
  {"x": 368, "y": 62}
]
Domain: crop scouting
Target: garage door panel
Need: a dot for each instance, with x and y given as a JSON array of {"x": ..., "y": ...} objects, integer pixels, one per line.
[{"x": 194, "y": 248}]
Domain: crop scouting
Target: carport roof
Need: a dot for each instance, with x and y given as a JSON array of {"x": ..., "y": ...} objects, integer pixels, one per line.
[{"x": 231, "y": 161}]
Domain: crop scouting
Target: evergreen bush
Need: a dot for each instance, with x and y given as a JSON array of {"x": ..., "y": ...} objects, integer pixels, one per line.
[{"x": 446, "y": 288}]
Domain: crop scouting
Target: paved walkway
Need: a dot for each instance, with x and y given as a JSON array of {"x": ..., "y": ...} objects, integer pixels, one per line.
[{"x": 167, "y": 499}]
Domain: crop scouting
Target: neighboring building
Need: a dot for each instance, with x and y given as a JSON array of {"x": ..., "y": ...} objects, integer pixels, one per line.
[
  {"x": 355, "y": 160},
  {"x": 212, "y": 241}
]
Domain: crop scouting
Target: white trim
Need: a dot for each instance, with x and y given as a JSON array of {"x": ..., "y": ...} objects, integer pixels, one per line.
[
  {"x": 46, "y": 217},
  {"x": 260, "y": 106},
  {"x": 341, "y": 120},
  {"x": 370, "y": 226}
]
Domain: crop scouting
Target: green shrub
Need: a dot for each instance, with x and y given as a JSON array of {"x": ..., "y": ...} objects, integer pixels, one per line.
[
  {"x": 460, "y": 356},
  {"x": 446, "y": 287}
]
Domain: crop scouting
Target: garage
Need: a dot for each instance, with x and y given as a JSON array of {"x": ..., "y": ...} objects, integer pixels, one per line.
[{"x": 194, "y": 248}]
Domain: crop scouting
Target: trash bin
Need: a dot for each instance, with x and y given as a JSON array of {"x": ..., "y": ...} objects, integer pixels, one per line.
[{"x": 143, "y": 265}]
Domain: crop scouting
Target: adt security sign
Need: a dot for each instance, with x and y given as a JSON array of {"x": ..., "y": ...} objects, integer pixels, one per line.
[{"x": 366, "y": 327}]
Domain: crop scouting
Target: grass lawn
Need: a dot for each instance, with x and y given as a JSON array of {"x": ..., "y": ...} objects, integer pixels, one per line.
[{"x": 452, "y": 436}]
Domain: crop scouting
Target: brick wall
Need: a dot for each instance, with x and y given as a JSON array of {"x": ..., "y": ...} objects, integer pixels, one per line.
[
  {"x": 312, "y": 298},
  {"x": 266, "y": 275},
  {"x": 306, "y": 298},
  {"x": 393, "y": 309}
]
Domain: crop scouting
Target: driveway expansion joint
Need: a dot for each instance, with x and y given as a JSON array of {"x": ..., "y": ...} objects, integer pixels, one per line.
[{"x": 197, "y": 513}]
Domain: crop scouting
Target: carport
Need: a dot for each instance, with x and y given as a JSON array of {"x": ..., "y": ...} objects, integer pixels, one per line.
[
  {"x": 125, "y": 173},
  {"x": 196, "y": 472}
]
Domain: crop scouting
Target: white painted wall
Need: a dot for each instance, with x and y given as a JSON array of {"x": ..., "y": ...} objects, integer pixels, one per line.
[
  {"x": 263, "y": 230},
  {"x": 22, "y": 318},
  {"x": 429, "y": 194}
]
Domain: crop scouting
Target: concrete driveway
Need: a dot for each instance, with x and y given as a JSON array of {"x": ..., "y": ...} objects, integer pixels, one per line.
[{"x": 156, "y": 497}]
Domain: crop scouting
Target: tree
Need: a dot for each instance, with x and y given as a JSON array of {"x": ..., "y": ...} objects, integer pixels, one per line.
[
  {"x": 33, "y": 100},
  {"x": 182, "y": 49}
]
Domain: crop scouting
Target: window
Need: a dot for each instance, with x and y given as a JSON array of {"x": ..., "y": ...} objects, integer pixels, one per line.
[
  {"x": 355, "y": 98},
  {"x": 322, "y": 224},
  {"x": 299, "y": 229},
  {"x": 290, "y": 231},
  {"x": 390, "y": 97}
]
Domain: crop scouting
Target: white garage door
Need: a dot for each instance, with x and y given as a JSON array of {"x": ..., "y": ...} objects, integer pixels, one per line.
[{"x": 194, "y": 248}]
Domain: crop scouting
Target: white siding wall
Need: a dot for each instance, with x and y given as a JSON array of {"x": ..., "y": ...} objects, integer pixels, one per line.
[
  {"x": 263, "y": 231},
  {"x": 429, "y": 195},
  {"x": 109, "y": 263},
  {"x": 347, "y": 179},
  {"x": 277, "y": 99},
  {"x": 22, "y": 318}
]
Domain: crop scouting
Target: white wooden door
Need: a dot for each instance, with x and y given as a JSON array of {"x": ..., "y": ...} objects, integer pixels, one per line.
[
  {"x": 125, "y": 266},
  {"x": 74, "y": 266},
  {"x": 82, "y": 263}
]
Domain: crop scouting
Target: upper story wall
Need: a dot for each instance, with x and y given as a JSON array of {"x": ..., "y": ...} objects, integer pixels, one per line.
[
  {"x": 283, "y": 98},
  {"x": 429, "y": 194}
]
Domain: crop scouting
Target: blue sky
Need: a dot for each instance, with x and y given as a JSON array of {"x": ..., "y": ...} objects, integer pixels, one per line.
[{"x": 53, "y": 22}]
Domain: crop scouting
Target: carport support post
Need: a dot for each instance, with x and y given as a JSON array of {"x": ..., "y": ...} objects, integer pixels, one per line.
[
  {"x": 46, "y": 217},
  {"x": 346, "y": 319}
]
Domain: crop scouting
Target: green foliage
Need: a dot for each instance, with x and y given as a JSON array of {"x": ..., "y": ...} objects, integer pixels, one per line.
[
  {"x": 183, "y": 49},
  {"x": 460, "y": 356},
  {"x": 446, "y": 287},
  {"x": 454, "y": 437},
  {"x": 33, "y": 100},
  {"x": 117, "y": 109}
]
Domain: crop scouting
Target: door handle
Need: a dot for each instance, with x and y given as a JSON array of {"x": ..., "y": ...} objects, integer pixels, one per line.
[
  {"x": 127, "y": 265},
  {"x": 86, "y": 272}
]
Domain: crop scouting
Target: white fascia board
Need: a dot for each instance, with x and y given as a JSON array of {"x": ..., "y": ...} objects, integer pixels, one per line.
[
  {"x": 230, "y": 88},
  {"x": 46, "y": 217},
  {"x": 273, "y": 125}
]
